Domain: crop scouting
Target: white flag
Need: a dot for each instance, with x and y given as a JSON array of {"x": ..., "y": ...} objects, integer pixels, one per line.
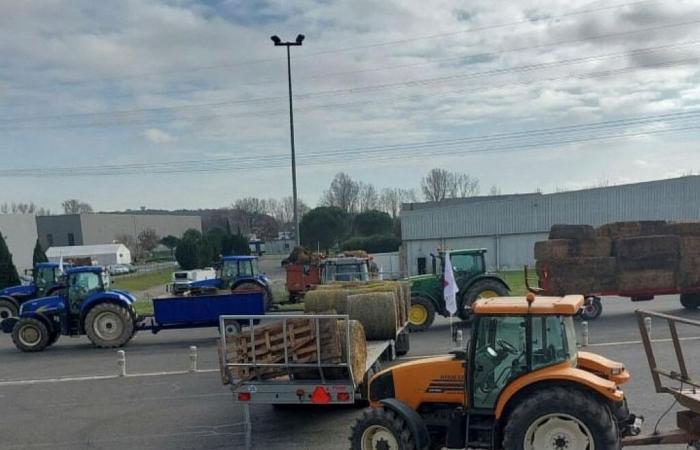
[
  {"x": 450, "y": 288},
  {"x": 60, "y": 265}
]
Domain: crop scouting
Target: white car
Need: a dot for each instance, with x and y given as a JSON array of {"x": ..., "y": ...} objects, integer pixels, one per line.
[{"x": 119, "y": 269}]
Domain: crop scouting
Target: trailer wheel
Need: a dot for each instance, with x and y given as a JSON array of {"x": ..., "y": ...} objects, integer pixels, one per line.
[
  {"x": 381, "y": 429},
  {"x": 421, "y": 314},
  {"x": 108, "y": 325},
  {"x": 592, "y": 308},
  {"x": 402, "y": 344},
  {"x": 690, "y": 301},
  {"x": 7, "y": 309},
  {"x": 559, "y": 418},
  {"x": 30, "y": 335}
]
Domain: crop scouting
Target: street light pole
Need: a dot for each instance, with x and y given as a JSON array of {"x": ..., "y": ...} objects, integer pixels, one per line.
[{"x": 297, "y": 42}]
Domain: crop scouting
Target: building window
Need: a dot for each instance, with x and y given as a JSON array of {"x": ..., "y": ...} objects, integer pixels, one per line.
[
  {"x": 71, "y": 239},
  {"x": 49, "y": 239}
]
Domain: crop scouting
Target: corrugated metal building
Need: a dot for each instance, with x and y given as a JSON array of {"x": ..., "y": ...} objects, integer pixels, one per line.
[
  {"x": 103, "y": 254},
  {"x": 509, "y": 225}
]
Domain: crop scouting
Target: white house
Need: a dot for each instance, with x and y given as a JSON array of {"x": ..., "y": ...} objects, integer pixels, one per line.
[{"x": 102, "y": 254}]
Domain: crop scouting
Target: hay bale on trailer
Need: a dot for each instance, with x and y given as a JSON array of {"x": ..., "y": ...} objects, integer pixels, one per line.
[
  {"x": 617, "y": 230},
  {"x": 390, "y": 287},
  {"x": 647, "y": 247},
  {"x": 581, "y": 275},
  {"x": 636, "y": 280},
  {"x": 554, "y": 249},
  {"x": 322, "y": 300},
  {"x": 573, "y": 232},
  {"x": 376, "y": 312},
  {"x": 358, "y": 349},
  {"x": 684, "y": 228},
  {"x": 598, "y": 246}
]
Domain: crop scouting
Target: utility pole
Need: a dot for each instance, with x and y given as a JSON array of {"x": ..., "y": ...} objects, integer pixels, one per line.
[{"x": 278, "y": 43}]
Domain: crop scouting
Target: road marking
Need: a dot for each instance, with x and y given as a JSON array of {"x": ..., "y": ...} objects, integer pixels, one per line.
[{"x": 99, "y": 377}]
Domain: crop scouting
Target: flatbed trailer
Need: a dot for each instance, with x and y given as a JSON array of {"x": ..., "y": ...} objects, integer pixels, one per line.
[{"x": 319, "y": 388}]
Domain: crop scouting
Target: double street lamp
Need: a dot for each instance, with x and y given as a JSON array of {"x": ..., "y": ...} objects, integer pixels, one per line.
[{"x": 278, "y": 43}]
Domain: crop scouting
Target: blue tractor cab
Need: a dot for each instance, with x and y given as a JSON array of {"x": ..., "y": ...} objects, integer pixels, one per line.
[
  {"x": 47, "y": 277},
  {"x": 237, "y": 272},
  {"x": 85, "y": 305}
]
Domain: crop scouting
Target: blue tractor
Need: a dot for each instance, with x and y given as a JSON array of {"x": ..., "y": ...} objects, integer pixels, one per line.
[
  {"x": 46, "y": 279},
  {"x": 236, "y": 273},
  {"x": 85, "y": 306}
]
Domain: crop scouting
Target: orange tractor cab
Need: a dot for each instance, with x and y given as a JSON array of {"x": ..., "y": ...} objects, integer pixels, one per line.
[{"x": 519, "y": 383}]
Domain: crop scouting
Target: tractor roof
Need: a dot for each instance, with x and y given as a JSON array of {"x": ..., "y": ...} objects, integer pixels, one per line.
[
  {"x": 51, "y": 265},
  {"x": 238, "y": 258},
  {"x": 567, "y": 306},
  {"x": 84, "y": 269}
]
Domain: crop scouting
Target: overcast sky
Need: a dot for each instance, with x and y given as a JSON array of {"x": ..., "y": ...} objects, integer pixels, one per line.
[{"x": 182, "y": 104}]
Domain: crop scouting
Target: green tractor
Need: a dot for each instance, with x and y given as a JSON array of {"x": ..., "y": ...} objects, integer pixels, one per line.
[{"x": 473, "y": 281}]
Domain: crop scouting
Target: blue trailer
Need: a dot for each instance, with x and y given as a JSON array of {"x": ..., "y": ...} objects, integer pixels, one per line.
[{"x": 107, "y": 316}]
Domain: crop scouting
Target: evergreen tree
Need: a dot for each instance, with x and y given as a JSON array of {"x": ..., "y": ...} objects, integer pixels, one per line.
[
  {"x": 8, "y": 271},
  {"x": 187, "y": 253},
  {"x": 39, "y": 255}
]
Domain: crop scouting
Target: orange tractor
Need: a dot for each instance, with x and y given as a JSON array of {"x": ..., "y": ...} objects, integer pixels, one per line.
[{"x": 519, "y": 384}]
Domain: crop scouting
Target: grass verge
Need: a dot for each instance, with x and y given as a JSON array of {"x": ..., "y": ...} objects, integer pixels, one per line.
[
  {"x": 516, "y": 281},
  {"x": 141, "y": 282}
]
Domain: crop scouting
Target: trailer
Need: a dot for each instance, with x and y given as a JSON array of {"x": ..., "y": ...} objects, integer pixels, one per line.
[{"x": 299, "y": 375}]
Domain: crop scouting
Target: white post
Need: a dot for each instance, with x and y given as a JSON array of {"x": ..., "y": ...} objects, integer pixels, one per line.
[
  {"x": 193, "y": 358},
  {"x": 584, "y": 333},
  {"x": 647, "y": 325},
  {"x": 248, "y": 427},
  {"x": 121, "y": 362}
]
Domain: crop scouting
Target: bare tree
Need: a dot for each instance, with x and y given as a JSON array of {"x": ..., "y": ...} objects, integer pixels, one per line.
[
  {"x": 75, "y": 206},
  {"x": 391, "y": 200},
  {"x": 43, "y": 212},
  {"x": 20, "y": 208},
  {"x": 495, "y": 190},
  {"x": 127, "y": 240},
  {"x": 437, "y": 185},
  {"x": 463, "y": 186},
  {"x": 343, "y": 193},
  {"x": 148, "y": 239},
  {"x": 368, "y": 198},
  {"x": 251, "y": 205}
]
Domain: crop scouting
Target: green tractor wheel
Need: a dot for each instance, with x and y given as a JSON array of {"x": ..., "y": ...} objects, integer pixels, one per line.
[
  {"x": 480, "y": 289},
  {"x": 421, "y": 314}
]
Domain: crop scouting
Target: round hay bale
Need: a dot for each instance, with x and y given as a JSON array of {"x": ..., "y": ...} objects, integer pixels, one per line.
[
  {"x": 387, "y": 286},
  {"x": 406, "y": 300},
  {"x": 319, "y": 301},
  {"x": 358, "y": 349},
  {"x": 376, "y": 312}
]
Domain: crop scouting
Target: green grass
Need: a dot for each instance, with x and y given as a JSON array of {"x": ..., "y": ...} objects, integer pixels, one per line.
[
  {"x": 144, "y": 307},
  {"x": 515, "y": 280},
  {"x": 144, "y": 281}
]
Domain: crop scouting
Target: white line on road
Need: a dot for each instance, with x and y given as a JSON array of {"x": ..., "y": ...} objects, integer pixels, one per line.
[{"x": 99, "y": 377}]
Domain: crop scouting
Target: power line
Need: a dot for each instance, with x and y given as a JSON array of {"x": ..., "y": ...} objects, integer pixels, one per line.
[
  {"x": 519, "y": 139},
  {"x": 420, "y": 82}
]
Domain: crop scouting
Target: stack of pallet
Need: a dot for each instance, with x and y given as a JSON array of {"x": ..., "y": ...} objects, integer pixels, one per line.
[
  {"x": 620, "y": 256},
  {"x": 306, "y": 339}
]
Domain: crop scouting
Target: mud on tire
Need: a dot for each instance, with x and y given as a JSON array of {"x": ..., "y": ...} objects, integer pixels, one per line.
[
  {"x": 108, "y": 325},
  {"x": 580, "y": 406},
  {"x": 377, "y": 425}
]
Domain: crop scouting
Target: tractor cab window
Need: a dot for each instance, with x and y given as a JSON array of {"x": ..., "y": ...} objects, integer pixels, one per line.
[
  {"x": 80, "y": 286},
  {"x": 229, "y": 270},
  {"x": 245, "y": 269},
  {"x": 466, "y": 263},
  {"x": 45, "y": 277},
  {"x": 553, "y": 340},
  {"x": 500, "y": 356}
]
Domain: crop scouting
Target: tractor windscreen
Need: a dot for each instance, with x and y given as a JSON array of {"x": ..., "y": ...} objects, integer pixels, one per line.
[{"x": 553, "y": 340}]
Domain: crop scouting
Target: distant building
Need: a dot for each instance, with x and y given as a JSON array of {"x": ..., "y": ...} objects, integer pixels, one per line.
[
  {"x": 509, "y": 225},
  {"x": 283, "y": 245},
  {"x": 91, "y": 229},
  {"x": 102, "y": 255},
  {"x": 19, "y": 231}
]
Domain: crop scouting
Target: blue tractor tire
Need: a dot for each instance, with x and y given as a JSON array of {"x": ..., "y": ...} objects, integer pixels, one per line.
[
  {"x": 31, "y": 335},
  {"x": 109, "y": 325},
  {"x": 8, "y": 308}
]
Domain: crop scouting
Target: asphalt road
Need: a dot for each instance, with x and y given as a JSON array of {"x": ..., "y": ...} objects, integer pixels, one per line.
[{"x": 194, "y": 411}]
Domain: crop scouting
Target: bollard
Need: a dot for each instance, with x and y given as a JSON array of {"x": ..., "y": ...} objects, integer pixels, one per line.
[
  {"x": 121, "y": 361},
  {"x": 647, "y": 325},
  {"x": 193, "y": 358},
  {"x": 584, "y": 333}
]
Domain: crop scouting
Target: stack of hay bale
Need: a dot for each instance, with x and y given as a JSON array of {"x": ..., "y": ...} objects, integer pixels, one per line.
[
  {"x": 380, "y": 306},
  {"x": 620, "y": 256}
]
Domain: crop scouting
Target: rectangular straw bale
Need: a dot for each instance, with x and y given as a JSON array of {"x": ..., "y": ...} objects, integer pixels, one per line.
[
  {"x": 573, "y": 232},
  {"x": 553, "y": 250},
  {"x": 598, "y": 246},
  {"x": 684, "y": 229},
  {"x": 643, "y": 247},
  {"x": 646, "y": 279}
]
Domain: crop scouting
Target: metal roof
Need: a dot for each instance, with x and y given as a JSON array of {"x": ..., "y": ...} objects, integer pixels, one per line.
[
  {"x": 673, "y": 199},
  {"x": 238, "y": 258},
  {"x": 86, "y": 250},
  {"x": 83, "y": 269},
  {"x": 568, "y": 306}
]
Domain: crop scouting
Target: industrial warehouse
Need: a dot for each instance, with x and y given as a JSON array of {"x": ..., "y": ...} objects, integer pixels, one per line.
[{"x": 508, "y": 226}]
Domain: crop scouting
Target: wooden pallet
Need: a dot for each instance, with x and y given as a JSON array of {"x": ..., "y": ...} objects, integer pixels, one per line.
[{"x": 268, "y": 346}]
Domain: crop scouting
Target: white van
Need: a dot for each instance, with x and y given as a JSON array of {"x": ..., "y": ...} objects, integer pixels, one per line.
[{"x": 182, "y": 278}]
